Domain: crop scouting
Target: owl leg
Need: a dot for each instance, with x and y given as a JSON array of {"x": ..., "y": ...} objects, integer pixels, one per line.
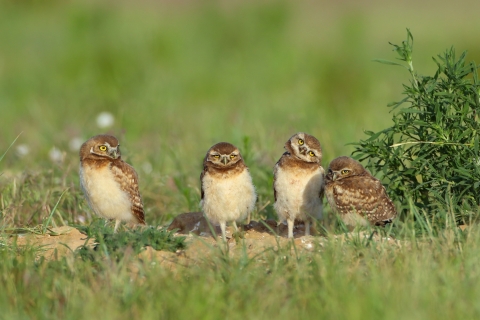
[
  {"x": 234, "y": 223},
  {"x": 290, "y": 227},
  {"x": 223, "y": 226},
  {"x": 117, "y": 223},
  {"x": 307, "y": 227}
]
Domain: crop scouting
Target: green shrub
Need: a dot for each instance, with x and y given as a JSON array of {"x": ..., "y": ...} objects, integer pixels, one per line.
[{"x": 430, "y": 155}]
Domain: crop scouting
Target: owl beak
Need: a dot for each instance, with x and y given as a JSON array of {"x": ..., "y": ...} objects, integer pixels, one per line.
[
  {"x": 334, "y": 176},
  {"x": 331, "y": 176},
  {"x": 114, "y": 153},
  {"x": 302, "y": 149},
  {"x": 225, "y": 160}
]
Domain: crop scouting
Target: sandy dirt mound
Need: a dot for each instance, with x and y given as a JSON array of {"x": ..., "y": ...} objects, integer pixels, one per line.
[
  {"x": 56, "y": 243},
  {"x": 256, "y": 237}
]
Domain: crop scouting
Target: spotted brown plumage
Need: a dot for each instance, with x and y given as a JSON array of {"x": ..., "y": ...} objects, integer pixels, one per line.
[
  {"x": 356, "y": 196},
  {"x": 109, "y": 184}
]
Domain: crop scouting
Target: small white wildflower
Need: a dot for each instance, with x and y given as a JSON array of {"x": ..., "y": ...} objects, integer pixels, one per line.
[
  {"x": 22, "y": 150},
  {"x": 75, "y": 144},
  {"x": 147, "y": 167},
  {"x": 105, "y": 120},
  {"x": 56, "y": 155}
]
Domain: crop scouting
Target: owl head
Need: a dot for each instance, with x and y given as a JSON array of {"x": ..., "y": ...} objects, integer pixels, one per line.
[
  {"x": 305, "y": 147},
  {"x": 223, "y": 155},
  {"x": 100, "y": 147},
  {"x": 344, "y": 167}
]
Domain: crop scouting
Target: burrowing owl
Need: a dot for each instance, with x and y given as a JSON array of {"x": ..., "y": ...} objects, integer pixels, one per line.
[
  {"x": 357, "y": 196},
  {"x": 228, "y": 193},
  {"x": 298, "y": 182},
  {"x": 110, "y": 185}
]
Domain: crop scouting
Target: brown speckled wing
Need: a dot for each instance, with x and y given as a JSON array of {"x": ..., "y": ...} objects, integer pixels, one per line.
[
  {"x": 366, "y": 196},
  {"x": 127, "y": 178},
  {"x": 201, "y": 182},
  {"x": 275, "y": 172}
]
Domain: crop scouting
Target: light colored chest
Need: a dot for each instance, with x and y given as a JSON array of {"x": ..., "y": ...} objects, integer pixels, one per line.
[
  {"x": 103, "y": 192},
  {"x": 227, "y": 198},
  {"x": 218, "y": 185},
  {"x": 298, "y": 181}
]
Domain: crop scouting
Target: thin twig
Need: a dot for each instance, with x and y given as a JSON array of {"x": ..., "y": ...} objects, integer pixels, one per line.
[
  {"x": 11, "y": 144},
  {"x": 430, "y": 142}
]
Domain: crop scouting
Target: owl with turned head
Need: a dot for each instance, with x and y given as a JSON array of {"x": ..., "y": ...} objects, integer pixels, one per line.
[
  {"x": 298, "y": 182},
  {"x": 227, "y": 190},
  {"x": 356, "y": 196},
  {"x": 109, "y": 184}
]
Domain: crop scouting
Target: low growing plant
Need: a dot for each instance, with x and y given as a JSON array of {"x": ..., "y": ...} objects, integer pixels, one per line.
[
  {"x": 114, "y": 244},
  {"x": 431, "y": 152}
]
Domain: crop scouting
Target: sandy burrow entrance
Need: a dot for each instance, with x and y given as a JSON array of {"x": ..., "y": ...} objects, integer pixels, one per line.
[{"x": 256, "y": 237}]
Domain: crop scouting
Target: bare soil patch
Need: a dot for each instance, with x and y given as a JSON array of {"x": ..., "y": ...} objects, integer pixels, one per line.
[{"x": 256, "y": 238}]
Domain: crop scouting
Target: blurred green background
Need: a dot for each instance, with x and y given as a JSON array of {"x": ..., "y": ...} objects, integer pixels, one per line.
[{"x": 179, "y": 76}]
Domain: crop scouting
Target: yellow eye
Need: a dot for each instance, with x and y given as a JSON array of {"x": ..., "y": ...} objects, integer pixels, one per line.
[
  {"x": 216, "y": 156},
  {"x": 345, "y": 171},
  {"x": 300, "y": 142},
  {"x": 103, "y": 148},
  {"x": 232, "y": 156},
  {"x": 311, "y": 154}
]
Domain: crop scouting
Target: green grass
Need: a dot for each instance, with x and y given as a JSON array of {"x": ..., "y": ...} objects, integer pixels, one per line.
[
  {"x": 354, "y": 279},
  {"x": 179, "y": 78},
  {"x": 113, "y": 245}
]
